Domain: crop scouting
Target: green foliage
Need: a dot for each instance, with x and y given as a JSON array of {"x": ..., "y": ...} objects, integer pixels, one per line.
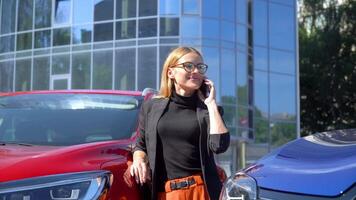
[
  {"x": 327, "y": 37},
  {"x": 229, "y": 111},
  {"x": 261, "y": 130},
  {"x": 281, "y": 133},
  {"x": 242, "y": 94}
]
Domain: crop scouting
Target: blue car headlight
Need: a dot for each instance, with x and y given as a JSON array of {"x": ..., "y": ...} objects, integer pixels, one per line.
[
  {"x": 239, "y": 187},
  {"x": 71, "y": 186}
]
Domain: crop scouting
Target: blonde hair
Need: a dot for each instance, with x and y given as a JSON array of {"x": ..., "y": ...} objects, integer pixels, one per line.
[{"x": 172, "y": 59}]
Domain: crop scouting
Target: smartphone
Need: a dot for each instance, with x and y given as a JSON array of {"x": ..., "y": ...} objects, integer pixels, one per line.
[{"x": 204, "y": 89}]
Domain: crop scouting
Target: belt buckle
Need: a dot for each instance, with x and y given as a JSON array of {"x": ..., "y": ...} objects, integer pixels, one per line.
[
  {"x": 185, "y": 183},
  {"x": 180, "y": 184}
]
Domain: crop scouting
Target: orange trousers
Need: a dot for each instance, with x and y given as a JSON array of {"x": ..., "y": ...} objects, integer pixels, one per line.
[{"x": 195, "y": 191}]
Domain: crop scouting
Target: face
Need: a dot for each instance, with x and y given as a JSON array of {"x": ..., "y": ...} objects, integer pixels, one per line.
[{"x": 186, "y": 82}]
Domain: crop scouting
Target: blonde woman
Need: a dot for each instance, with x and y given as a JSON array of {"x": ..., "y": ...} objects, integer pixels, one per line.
[{"x": 179, "y": 132}]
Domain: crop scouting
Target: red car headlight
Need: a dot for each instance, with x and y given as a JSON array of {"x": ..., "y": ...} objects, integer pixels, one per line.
[{"x": 70, "y": 186}]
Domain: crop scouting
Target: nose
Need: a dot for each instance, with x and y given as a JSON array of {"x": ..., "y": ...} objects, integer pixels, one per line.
[{"x": 195, "y": 69}]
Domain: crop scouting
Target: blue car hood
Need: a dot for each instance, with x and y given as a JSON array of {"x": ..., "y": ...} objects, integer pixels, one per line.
[{"x": 306, "y": 167}]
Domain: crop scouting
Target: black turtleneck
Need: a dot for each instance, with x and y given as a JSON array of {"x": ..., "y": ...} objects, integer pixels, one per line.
[{"x": 178, "y": 140}]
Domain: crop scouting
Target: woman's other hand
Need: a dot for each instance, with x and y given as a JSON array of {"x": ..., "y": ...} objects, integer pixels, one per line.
[{"x": 140, "y": 169}]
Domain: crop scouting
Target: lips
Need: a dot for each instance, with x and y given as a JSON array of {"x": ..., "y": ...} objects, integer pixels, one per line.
[
  {"x": 195, "y": 80},
  {"x": 195, "y": 77}
]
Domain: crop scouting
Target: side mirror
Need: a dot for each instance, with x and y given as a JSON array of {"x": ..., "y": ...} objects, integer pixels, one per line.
[{"x": 149, "y": 93}]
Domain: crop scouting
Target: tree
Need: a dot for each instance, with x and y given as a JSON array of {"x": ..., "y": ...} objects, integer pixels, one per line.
[{"x": 327, "y": 37}]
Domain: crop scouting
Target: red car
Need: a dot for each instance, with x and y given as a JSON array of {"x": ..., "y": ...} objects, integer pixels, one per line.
[{"x": 69, "y": 145}]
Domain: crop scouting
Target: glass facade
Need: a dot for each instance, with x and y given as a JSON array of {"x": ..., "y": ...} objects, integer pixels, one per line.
[{"x": 249, "y": 45}]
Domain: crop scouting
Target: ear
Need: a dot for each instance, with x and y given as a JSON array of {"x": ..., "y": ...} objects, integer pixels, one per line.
[{"x": 171, "y": 73}]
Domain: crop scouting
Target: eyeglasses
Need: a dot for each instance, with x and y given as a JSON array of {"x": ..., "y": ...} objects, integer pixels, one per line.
[{"x": 189, "y": 67}]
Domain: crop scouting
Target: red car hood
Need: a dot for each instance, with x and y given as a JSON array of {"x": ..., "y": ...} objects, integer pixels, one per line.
[{"x": 18, "y": 162}]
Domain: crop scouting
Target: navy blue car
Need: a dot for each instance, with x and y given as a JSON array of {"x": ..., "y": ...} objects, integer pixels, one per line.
[{"x": 316, "y": 167}]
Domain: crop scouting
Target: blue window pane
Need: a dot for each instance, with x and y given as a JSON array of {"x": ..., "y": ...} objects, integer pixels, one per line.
[
  {"x": 282, "y": 27},
  {"x": 8, "y": 15},
  {"x": 260, "y": 58},
  {"x": 169, "y": 26},
  {"x": 147, "y": 28},
  {"x": 241, "y": 34},
  {"x": 242, "y": 88},
  {"x": 169, "y": 7},
  {"x": 261, "y": 93},
  {"x": 190, "y": 7},
  {"x": 25, "y": 13},
  {"x": 125, "y": 69},
  {"x": 7, "y": 43},
  {"x": 82, "y": 34},
  {"x": 6, "y": 76},
  {"x": 147, "y": 7},
  {"x": 190, "y": 27},
  {"x": 211, "y": 28},
  {"x": 281, "y": 61},
  {"x": 102, "y": 69},
  {"x": 125, "y": 29},
  {"x": 228, "y": 82},
  {"x": 41, "y": 66},
  {"x": 103, "y": 10},
  {"x": 241, "y": 11},
  {"x": 286, "y": 2},
  {"x": 24, "y": 41},
  {"x": 241, "y": 69},
  {"x": 211, "y": 58},
  {"x": 147, "y": 67},
  {"x": 81, "y": 70},
  {"x": 43, "y": 13},
  {"x": 228, "y": 31},
  {"x": 210, "y": 8},
  {"x": 62, "y": 11},
  {"x": 61, "y": 36},
  {"x": 60, "y": 64},
  {"x": 210, "y": 42},
  {"x": 42, "y": 39},
  {"x": 82, "y": 11},
  {"x": 23, "y": 75},
  {"x": 282, "y": 95},
  {"x": 227, "y": 44},
  {"x": 103, "y": 32},
  {"x": 125, "y": 9},
  {"x": 228, "y": 10},
  {"x": 260, "y": 22}
]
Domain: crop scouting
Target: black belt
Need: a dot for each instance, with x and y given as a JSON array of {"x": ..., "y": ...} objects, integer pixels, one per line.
[{"x": 182, "y": 184}]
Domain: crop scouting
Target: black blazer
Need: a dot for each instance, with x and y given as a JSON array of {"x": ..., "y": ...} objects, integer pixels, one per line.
[{"x": 150, "y": 113}]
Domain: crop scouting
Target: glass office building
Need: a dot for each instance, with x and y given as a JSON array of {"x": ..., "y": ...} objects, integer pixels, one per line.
[{"x": 249, "y": 45}]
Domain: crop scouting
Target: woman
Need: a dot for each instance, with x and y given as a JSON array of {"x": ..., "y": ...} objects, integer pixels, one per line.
[{"x": 179, "y": 131}]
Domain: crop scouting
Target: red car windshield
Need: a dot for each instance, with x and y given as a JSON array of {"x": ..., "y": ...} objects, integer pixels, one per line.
[{"x": 67, "y": 119}]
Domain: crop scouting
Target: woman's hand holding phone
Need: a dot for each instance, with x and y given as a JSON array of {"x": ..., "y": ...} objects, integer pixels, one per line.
[
  {"x": 217, "y": 125},
  {"x": 209, "y": 90}
]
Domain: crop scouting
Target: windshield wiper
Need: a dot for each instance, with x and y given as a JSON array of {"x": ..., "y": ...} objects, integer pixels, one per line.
[{"x": 17, "y": 143}]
